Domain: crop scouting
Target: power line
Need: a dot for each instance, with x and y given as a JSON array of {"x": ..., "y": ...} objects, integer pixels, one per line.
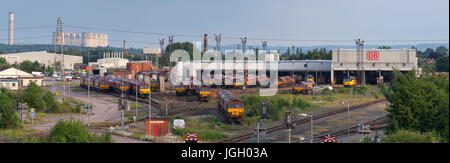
[{"x": 32, "y": 27}]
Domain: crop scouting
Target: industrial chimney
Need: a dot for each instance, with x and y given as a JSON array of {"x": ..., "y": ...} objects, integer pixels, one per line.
[
  {"x": 11, "y": 28},
  {"x": 205, "y": 43}
]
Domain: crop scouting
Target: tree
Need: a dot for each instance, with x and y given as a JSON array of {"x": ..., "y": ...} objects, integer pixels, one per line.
[
  {"x": 418, "y": 103},
  {"x": 384, "y": 47},
  {"x": 405, "y": 136},
  {"x": 442, "y": 50},
  {"x": 72, "y": 131},
  {"x": 8, "y": 117},
  {"x": 33, "y": 97},
  {"x": 3, "y": 62},
  {"x": 442, "y": 64},
  {"x": 435, "y": 55},
  {"x": 50, "y": 102}
]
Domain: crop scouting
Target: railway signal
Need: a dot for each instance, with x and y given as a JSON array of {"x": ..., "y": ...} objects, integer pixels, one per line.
[
  {"x": 289, "y": 122},
  {"x": 191, "y": 137},
  {"x": 329, "y": 139}
]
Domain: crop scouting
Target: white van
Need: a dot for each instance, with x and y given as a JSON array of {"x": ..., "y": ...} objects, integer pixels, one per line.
[
  {"x": 39, "y": 74},
  {"x": 178, "y": 123}
]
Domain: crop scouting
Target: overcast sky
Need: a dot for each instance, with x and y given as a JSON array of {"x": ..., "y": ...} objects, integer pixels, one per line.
[{"x": 280, "y": 19}]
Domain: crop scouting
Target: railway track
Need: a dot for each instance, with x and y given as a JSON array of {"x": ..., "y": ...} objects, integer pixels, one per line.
[
  {"x": 301, "y": 121},
  {"x": 381, "y": 122}
]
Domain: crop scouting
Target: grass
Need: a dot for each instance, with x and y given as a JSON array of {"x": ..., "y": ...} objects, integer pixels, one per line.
[
  {"x": 209, "y": 128},
  {"x": 8, "y": 134}
]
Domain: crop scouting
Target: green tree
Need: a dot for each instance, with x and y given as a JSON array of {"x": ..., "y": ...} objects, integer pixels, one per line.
[
  {"x": 72, "y": 131},
  {"x": 8, "y": 117},
  {"x": 419, "y": 103},
  {"x": 50, "y": 102},
  {"x": 442, "y": 64},
  {"x": 3, "y": 62},
  {"x": 405, "y": 136},
  {"x": 442, "y": 50},
  {"x": 33, "y": 97}
]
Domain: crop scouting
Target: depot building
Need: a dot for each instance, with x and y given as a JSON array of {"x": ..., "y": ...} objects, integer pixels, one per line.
[{"x": 367, "y": 65}]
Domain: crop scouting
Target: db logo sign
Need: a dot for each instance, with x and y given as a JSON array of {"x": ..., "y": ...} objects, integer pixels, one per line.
[{"x": 373, "y": 55}]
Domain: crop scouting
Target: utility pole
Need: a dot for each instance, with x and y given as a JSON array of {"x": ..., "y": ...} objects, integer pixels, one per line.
[
  {"x": 59, "y": 42},
  {"x": 360, "y": 45},
  {"x": 89, "y": 95},
  {"x": 136, "y": 85},
  {"x": 170, "y": 47},
  {"x": 244, "y": 42},
  {"x": 218, "y": 39},
  {"x": 150, "y": 111},
  {"x": 312, "y": 138},
  {"x": 161, "y": 43},
  {"x": 205, "y": 43},
  {"x": 165, "y": 100}
]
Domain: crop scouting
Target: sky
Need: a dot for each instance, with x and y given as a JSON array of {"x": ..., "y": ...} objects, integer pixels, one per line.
[{"x": 302, "y": 22}]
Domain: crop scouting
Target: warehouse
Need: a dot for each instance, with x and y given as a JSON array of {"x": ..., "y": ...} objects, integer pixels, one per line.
[
  {"x": 368, "y": 65},
  {"x": 12, "y": 78},
  {"x": 43, "y": 57},
  {"x": 371, "y": 64}
]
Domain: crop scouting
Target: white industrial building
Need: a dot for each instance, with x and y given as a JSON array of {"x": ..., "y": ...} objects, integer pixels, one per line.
[
  {"x": 110, "y": 60},
  {"x": 43, "y": 57},
  {"x": 367, "y": 65},
  {"x": 12, "y": 78},
  {"x": 85, "y": 39}
]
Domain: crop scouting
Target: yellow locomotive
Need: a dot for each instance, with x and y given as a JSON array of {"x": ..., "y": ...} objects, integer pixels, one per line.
[
  {"x": 309, "y": 78},
  {"x": 231, "y": 107},
  {"x": 154, "y": 85},
  {"x": 203, "y": 92},
  {"x": 350, "y": 82},
  {"x": 180, "y": 89}
]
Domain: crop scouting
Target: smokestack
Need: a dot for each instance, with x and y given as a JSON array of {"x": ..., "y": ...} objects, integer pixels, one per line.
[
  {"x": 205, "y": 43},
  {"x": 11, "y": 28}
]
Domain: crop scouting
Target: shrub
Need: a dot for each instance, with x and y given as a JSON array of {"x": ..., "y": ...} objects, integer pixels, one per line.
[
  {"x": 276, "y": 104},
  {"x": 75, "y": 132},
  {"x": 363, "y": 89},
  {"x": 405, "y": 136},
  {"x": 8, "y": 117}
]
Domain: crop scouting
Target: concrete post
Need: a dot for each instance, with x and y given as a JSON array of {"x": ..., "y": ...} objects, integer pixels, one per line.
[{"x": 332, "y": 76}]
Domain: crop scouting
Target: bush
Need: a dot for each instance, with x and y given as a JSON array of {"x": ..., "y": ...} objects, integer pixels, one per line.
[
  {"x": 33, "y": 96},
  {"x": 9, "y": 119},
  {"x": 405, "y": 136},
  {"x": 276, "y": 104},
  {"x": 327, "y": 91},
  {"x": 51, "y": 104},
  {"x": 363, "y": 89},
  {"x": 75, "y": 132},
  {"x": 344, "y": 90}
]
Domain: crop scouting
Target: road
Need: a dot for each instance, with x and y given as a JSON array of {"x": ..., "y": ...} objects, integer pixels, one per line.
[{"x": 105, "y": 108}]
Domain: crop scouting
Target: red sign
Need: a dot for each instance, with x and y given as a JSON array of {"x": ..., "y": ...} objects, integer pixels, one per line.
[
  {"x": 329, "y": 139},
  {"x": 373, "y": 55},
  {"x": 89, "y": 68},
  {"x": 191, "y": 137}
]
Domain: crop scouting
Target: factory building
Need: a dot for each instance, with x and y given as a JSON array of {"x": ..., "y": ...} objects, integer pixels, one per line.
[
  {"x": 85, "y": 39},
  {"x": 43, "y": 57},
  {"x": 110, "y": 60},
  {"x": 368, "y": 65},
  {"x": 12, "y": 78},
  {"x": 153, "y": 55}
]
